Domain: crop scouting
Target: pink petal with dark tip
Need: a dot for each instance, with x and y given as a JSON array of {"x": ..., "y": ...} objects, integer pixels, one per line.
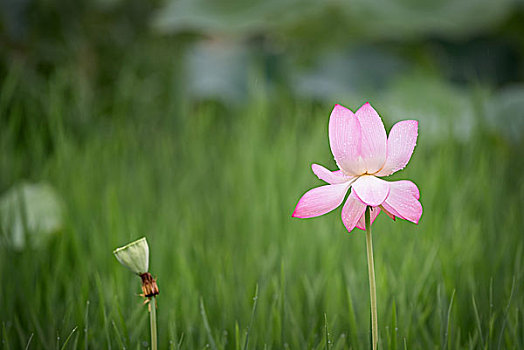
[{"x": 391, "y": 216}]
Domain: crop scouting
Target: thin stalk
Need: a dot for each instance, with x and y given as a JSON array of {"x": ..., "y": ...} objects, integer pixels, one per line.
[
  {"x": 372, "y": 286},
  {"x": 152, "y": 317}
]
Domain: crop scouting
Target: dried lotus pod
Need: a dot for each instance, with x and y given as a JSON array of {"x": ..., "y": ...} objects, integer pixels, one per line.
[{"x": 134, "y": 256}]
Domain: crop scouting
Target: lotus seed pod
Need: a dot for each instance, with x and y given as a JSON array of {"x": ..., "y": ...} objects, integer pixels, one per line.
[{"x": 134, "y": 256}]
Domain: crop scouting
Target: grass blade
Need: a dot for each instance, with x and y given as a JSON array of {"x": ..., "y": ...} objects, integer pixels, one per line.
[
  {"x": 68, "y": 338},
  {"x": 506, "y": 313},
  {"x": 477, "y": 319},
  {"x": 326, "y": 331},
  {"x": 253, "y": 311},
  {"x": 448, "y": 323},
  {"x": 86, "y": 327},
  {"x": 29, "y": 341},
  {"x": 206, "y": 325}
]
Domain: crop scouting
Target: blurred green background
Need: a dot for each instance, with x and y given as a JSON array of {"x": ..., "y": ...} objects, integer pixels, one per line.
[{"x": 195, "y": 123}]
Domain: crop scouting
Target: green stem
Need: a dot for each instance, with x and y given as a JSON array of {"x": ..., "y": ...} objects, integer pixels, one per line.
[
  {"x": 152, "y": 317},
  {"x": 372, "y": 286}
]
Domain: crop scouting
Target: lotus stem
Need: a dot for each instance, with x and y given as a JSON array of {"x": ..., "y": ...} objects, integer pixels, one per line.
[
  {"x": 372, "y": 286},
  {"x": 152, "y": 317}
]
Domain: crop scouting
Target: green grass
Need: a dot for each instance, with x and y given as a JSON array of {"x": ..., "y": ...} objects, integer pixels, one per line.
[{"x": 213, "y": 188}]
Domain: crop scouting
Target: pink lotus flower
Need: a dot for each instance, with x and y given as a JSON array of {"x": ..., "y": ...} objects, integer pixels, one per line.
[{"x": 363, "y": 154}]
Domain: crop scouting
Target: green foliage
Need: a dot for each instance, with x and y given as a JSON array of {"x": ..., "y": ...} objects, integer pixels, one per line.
[
  {"x": 315, "y": 21},
  {"x": 213, "y": 188}
]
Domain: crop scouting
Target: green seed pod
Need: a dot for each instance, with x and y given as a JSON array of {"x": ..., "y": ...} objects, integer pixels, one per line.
[{"x": 134, "y": 256}]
